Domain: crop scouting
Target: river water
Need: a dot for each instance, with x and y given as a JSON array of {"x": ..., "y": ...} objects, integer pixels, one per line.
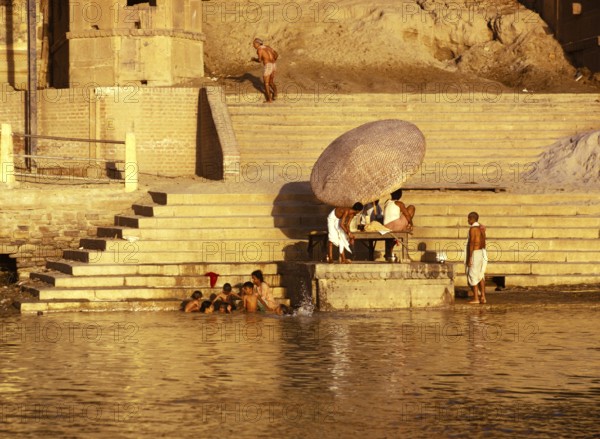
[{"x": 477, "y": 372}]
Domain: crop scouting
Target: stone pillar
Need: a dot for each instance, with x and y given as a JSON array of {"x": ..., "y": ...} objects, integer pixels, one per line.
[{"x": 7, "y": 164}]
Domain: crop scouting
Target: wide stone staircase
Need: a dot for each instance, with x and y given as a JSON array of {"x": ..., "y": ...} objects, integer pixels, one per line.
[
  {"x": 532, "y": 239},
  {"x": 161, "y": 252},
  {"x": 470, "y": 140},
  {"x": 483, "y": 144}
]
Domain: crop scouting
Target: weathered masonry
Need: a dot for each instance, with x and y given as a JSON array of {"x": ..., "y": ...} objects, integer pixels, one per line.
[{"x": 104, "y": 42}]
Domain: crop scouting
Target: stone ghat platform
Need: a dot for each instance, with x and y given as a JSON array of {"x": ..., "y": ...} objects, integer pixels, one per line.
[{"x": 370, "y": 285}]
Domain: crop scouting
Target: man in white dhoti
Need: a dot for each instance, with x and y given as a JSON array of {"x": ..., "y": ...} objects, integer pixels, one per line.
[
  {"x": 338, "y": 229},
  {"x": 476, "y": 261}
]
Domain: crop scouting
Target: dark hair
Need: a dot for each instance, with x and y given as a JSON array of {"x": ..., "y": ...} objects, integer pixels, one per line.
[
  {"x": 397, "y": 194},
  {"x": 357, "y": 207},
  {"x": 217, "y": 304},
  {"x": 285, "y": 309},
  {"x": 248, "y": 285},
  {"x": 227, "y": 287},
  {"x": 258, "y": 274},
  {"x": 204, "y": 306},
  {"x": 474, "y": 215},
  {"x": 212, "y": 297},
  {"x": 196, "y": 295}
]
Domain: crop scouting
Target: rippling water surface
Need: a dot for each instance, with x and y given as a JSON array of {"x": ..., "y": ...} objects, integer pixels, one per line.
[{"x": 475, "y": 373}]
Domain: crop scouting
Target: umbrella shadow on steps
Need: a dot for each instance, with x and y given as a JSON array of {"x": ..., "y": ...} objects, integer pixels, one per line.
[{"x": 296, "y": 212}]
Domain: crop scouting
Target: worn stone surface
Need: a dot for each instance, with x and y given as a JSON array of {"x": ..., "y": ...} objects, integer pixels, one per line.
[
  {"x": 56, "y": 217},
  {"x": 341, "y": 287}
]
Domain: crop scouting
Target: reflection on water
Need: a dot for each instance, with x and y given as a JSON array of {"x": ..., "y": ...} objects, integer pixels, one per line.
[{"x": 427, "y": 374}]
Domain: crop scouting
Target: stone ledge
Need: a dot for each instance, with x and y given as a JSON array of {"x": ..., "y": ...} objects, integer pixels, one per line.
[
  {"x": 222, "y": 121},
  {"x": 360, "y": 286},
  {"x": 94, "y": 33}
]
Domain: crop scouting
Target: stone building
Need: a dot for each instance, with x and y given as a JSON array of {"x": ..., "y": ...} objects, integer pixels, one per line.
[
  {"x": 575, "y": 25},
  {"x": 105, "y": 42}
]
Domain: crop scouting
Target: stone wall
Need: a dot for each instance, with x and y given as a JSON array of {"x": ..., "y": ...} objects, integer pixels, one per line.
[
  {"x": 340, "y": 287},
  {"x": 164, "y": 120},
  {"x": 36, "y": 224},
  {"x": 108, "y": 42}
]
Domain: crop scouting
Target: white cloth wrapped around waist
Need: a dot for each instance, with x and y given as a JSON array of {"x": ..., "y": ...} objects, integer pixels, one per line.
[
  {"x": 337, "y": 236},
  {"x": 476, "y": 272}
]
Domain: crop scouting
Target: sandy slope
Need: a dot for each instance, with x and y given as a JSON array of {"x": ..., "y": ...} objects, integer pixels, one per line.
[{"x": 364, "y": 46}]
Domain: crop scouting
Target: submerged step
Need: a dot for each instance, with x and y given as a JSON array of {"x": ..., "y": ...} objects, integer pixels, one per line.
[{"x": 131, "y": 293}]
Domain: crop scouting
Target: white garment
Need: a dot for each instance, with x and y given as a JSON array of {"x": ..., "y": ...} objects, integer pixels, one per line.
[
  {"x": 476, "y": 272},
  {"x": 391, "y": 212},
  {"x": 336, "y": 234}
]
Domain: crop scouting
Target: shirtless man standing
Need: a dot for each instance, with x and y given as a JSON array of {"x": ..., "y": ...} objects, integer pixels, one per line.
[
  {"x": 267, "y": 56},
  {"x": 476, "y": 258}
]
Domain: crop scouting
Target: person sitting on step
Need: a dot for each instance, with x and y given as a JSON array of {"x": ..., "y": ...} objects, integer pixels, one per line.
[
  {"x": 264, "y": 293},
  {"x": 397, "y": 217}
]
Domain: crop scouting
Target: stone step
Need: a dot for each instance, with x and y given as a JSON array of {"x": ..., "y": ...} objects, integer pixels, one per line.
[
  {"x": 536, "y": 280},
  {"x": 359, "y": 113},
  {"x": 125, "y": 293},
  {"x": 521, "y": 253},
  {"x": 54, "y": 306},
  {"x": 501, "y": 268},
  {"x": 429, "y": 126},
  {"x": 509, "y": 249},
  {"x": 62, "y": 280},
  {"x": 437, "y": 171},
  {"x": 433, "y": 143},
  {"x": 209, "y": 252},
  {"x": 414, "y": 98},
  {"x": 124, "y": 247},
  {"x": 206, "y": 210},
  {"x": 560, "y": 213},
  {"x": 325, "y": 134},
  {"x": 105, "y": 250},
  {"x": 425, "y": 196},
  {"x": 492, "y": 221},
  {"x": 77, "y": 268},
  {"x": 312, "y": 151},
  {"x": 513, "y": 245},
  {"x": 283, "y": 221},
  {"x": 300, "y": 193},
  {"x": 205, "y": 233},
  {"x": 119, "y": 248},
  {"x": 498, "y": 232}
]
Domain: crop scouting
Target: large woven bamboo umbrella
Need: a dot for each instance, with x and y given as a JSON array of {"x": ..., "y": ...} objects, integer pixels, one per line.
[{"x": 368, "y": 162}]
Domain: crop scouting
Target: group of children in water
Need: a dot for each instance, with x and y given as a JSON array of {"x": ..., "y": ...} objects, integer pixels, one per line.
[{"x": 255, "y": 295}]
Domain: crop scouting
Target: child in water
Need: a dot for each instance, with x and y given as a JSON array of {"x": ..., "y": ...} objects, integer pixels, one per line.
[
  {"x": 227, "y": 297},
  {"x": 249, "y": 297},
  {"x": 192, "y": 304}
]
